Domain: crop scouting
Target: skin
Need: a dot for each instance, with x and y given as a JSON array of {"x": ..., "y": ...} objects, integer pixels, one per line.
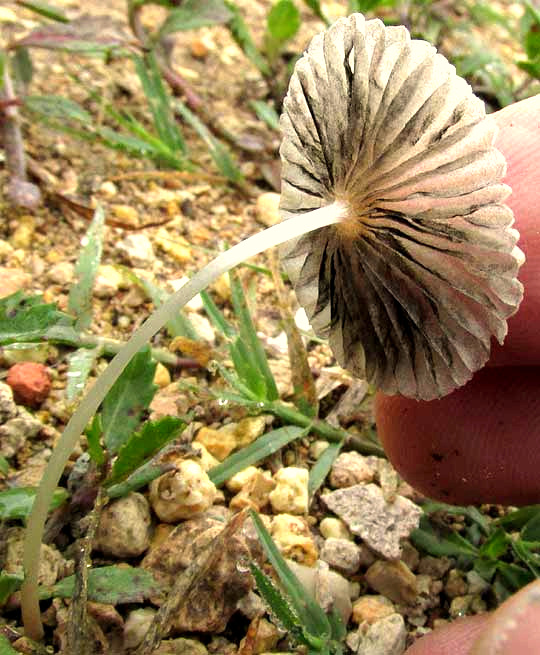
[{"x": 481, "y": 444}]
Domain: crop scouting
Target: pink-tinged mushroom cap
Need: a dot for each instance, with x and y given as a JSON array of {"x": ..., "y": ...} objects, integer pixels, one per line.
[{"x": 412, "y": 284}]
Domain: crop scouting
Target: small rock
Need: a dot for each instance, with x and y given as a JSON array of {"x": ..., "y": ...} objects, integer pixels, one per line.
[
  {"x": 108, "y": 281},
  {"x": 240, "y": 479},
  {"x": 342, "y": 555},
  {"x": 12, "y": 280},
  {"x": 460, "y": 606},
  {"x": 15, "y": 432},
  {"x": 385, "y": 637},
  {"x": 23, "y": 235},
  {"x": 221, "y": 646},
  {"x": 251, "y": 605},
  {"x": 124, "y": 527},
  {"x": 136, "y": 250},
  {"x": 265, "y": 638},
  {"x": 293, "y": 538},
  {"x": 255, "y": 493},
  {"x": 180, "y": 646},
  {"x": 318, "y": 447},
  {"x": 136, "y": 626},
  {"x": 125, "y": 214},
  {"x": 6, "y": 249},
  {"x": 108, "y": 189},
  {"x": 30, "y": 382},
  {"x": 51, "y": 563},
  {"x": 61, "y": 273},
  {"x": 380, "y": 524},
  {"x": 183, "y": 493},
  {"x": 291, "y": 493},
  {"x": 352, "y": 468},
  {"x": 196, "y": 303},
  {"x": 219, "y": 443},
  {"x": 162, "y": 377},
  {"x": 249, "y": 429},
  {"x": 8, "y": 408},
  {"x": 267, "y": 209},
  {"x": 393, "y": 580},
  {"x": 455, "y": 584},
  {"x": 436, "y": 567},
  {"x": 203, "y": 328},
  {"x": 409, "y": 555},
  {"x": 370, "y": 609},
  {"x": 222, "y": 287},
  {"x": 198, "y": 48},
  {"x": 174, "y": 245},
  {"x": 476, "y": 583},
  {"x": 332, "y": 527},
  {"x": 205, "y": 459},
  {"x": 330, "y": 589}
]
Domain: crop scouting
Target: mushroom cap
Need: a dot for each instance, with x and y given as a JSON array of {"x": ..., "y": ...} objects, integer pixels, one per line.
[{"x": 410, "y": 286}]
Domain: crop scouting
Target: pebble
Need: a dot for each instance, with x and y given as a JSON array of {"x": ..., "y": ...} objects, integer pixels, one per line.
[
  {"x": 332, "y": 527},
  {"x": 409, "y": 555},
  {"x": 125, "y": 214},
  {"x": 125, "y": 527},
  {"x": 385, "y": 637},
  {"x": 205, "y": 459},
  {"x": 6, "y": 249},
  {"x": 108, "y": 189},
  {"x": 291, "y": 493},
  {"x": 370, "y": 609},
  {"x": 136, "y": 626},
  {"x": 394, "y": 580},
  {"x": 174, "y": 245},
  {"x": 183, "y": 493},
  {"x": 51, "y": 562},
  {"x": 136, "y": 250},
  {"x": 23, "y": 235},
  {"x": 293, "y": 538},
  {"x": 460, "y": 606},
  {"x": 30, "y": 382},
  {"x": 317, "y": 448},
  {"x": 255, "y": 493},
  {"x": 61, "y": 273},
  {"x": 196, "y": 303},
  {"x": 266, "y": 638},
  {"x": 476, "y": 583},
  {"x": 367, "y": 514},
  {"x": 251, "y": 605},
  {"x": 108, "y": 281},
  {"x": 352, "y": 468},
  {"x": 436, "y": 567},
  {"x": 180, "y": 646},
  {"x": 162, "y": 377},
  {"x": 12, "y": 280},
  {"x": 267, "y": 209},
  {"x": 455, "y": 584},
  {"x": 8, "y": 408},
  {"x": 232, "y": 436},
  {"x": 16, "y": 431},
  {"x": 342, "y": 555}
]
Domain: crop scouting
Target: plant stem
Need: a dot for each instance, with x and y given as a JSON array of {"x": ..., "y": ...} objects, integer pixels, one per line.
[{"x": 272, "y": 236}]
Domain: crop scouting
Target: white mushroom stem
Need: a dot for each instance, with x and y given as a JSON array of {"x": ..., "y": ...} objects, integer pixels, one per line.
[{"x": 272, "y": 236}]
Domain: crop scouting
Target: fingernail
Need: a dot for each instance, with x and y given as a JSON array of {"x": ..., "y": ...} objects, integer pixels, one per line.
[{"x": 514, "y": 628}]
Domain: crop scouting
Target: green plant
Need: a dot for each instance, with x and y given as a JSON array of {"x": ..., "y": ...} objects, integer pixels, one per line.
[
  {"x": 322, "y": 633},
  {"x": 503, "y": 551}
]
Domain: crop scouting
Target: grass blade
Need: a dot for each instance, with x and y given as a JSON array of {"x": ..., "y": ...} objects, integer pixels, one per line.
[
  {"x": 80, "y": 294},
  {"x": 80, "y": 364},
  {"x": 262, "y": 447},
  {"x": 266, "y": 113},
  {"x": 216, "y": 317},
  {"x": 321, "y": 468},
  {"x": 241, "y": 34}
]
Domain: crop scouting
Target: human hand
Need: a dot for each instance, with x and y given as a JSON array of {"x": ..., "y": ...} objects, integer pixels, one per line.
[{"x": 482, "y": 443}]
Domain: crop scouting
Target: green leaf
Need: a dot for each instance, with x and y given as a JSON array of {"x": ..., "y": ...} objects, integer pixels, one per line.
[
  {"x": 17, "y": 503},
  {"x": 452, "y": 545},
  {"x": 159, "y": 102},
  {"x": 4, "y": 465},
  {"x": 112, "y": 585},
  {"x": 531, "y": 530},
  {"x": 513, "y": 575},
  {"x": 21, "y": 65},
  {"x": 80, "y": 364},
  {"x": 265, "y": 113},
  {"x": 219, "y": 152},
  {"x": 364, "y": 6},
  {"x": 273, "y": 597},
  {"x": 216, "y": 317},
  {"x": 93, "y": 436},
  {"x": 527, "y": 556},
  {"x": 283, "y": 21},
  {"x": 128, "y": 399},
  {"x": 194, "y": 14},
  {"x": 315, "y": 7},
  {"x": 80, "y": 294},
  {"x": 485, "y": 568},
  {"x": 248, "y": 335},
  {"x": 142, "y": 476},
  {"x": 256, "y": 451},
  {"x": 143, "y": 445},
  {"x": 44, "y": 9},
  {"x": 241, "y": 34},
  {"x": 27, "y": 318},
  {"x": 57, "y": 107},
  {"x": 321, "y": 468},
  {"x": 9, "y": 583},
  {"x": 311, "y": 616},
  {"x": 495, "y": 546},
  {"x": 6, "y": 648},
  {"x": 532, "y": 37}
]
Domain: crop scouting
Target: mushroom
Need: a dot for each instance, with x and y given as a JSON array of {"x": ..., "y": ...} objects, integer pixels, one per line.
[
  {"x": 421, "y": 271},
  {"x": 401, "y": 249}
]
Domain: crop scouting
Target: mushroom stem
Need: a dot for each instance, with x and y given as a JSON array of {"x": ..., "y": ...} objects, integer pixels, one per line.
[{"x": 246, "y": 249}]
